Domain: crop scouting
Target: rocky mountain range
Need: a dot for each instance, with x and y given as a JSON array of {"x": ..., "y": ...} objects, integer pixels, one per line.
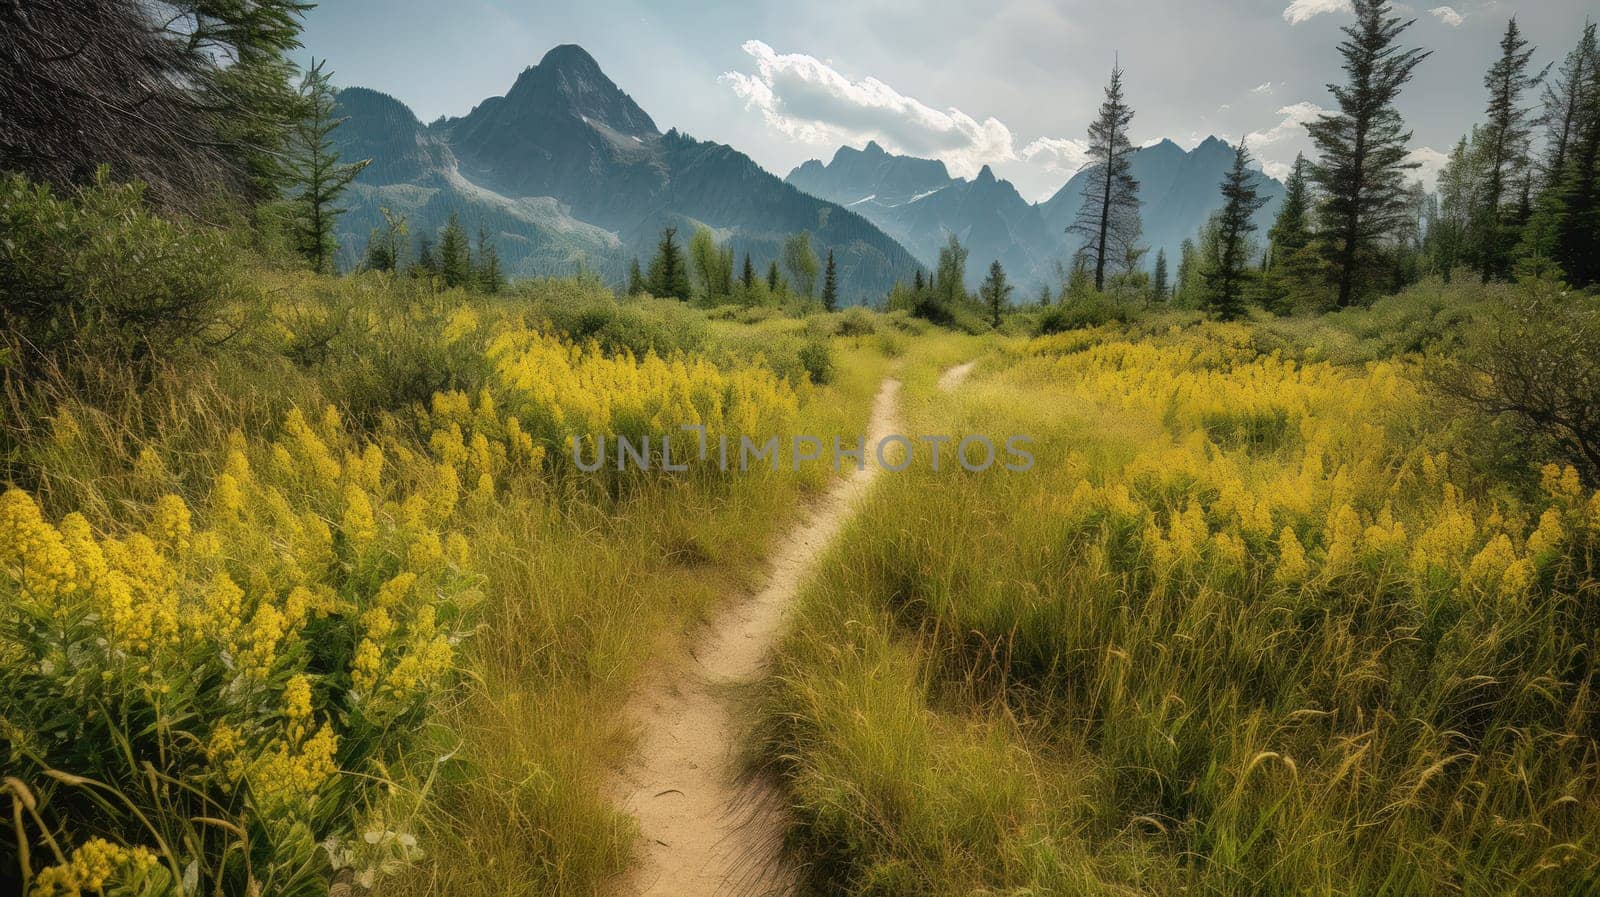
[
  {"x": 917, "y": 202},
  {"x": 565, "y": 172}
]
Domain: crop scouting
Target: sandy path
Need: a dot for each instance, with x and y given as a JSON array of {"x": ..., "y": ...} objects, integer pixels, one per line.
[
  {"x": 954, "y": 377},
  {"x": 705, "y": 833}
]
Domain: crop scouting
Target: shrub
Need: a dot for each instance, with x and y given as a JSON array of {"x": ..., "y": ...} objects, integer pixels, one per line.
[
  {"x": 856, "y": 322},
  {"x": 221, "y": 685},
  {"x": 99, "y": 273},
  {"x": 816, "y": 356},
  {"x": 1078, "y": 313},
  {"x": 1536, "y": 359}
]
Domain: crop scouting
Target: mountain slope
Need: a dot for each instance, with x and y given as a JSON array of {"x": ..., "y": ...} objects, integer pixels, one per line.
[
  {"x": 568, "y": 172},
  {"x": 917, "y": 202}
]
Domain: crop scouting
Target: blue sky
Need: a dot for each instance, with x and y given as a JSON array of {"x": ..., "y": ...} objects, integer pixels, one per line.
[{"x": 1009, "y": 83}]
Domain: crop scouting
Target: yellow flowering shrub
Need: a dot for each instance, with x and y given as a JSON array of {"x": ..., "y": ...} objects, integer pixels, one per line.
[{"x": 260, "y": 647}]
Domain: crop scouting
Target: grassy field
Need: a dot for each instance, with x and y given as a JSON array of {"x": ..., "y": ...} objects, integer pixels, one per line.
[
  {"x": 338, "y": 601},
  {"x": 1251, "y": 626}
]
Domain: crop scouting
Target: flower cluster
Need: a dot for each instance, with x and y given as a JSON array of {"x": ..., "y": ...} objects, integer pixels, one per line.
[
  {"x": 1299, "y": 472},
  {"x": 558, "y": 390}
]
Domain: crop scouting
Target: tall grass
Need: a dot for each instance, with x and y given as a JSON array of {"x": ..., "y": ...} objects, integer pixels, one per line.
[
  {"x": 379, "y": 624},
  {"x": 1247, "y": 628}
]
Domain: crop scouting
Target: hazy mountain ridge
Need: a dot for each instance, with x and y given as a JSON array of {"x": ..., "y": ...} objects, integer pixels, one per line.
[
  {"x": 919, "y": 203},
  {"x": 567, "y": 172}
]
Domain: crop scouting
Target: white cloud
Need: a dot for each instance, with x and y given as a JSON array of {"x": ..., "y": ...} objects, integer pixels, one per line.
[
  {"x": 1301, "y": 10},
  {"x": 805, "y": 99},
  {"x": 1295, "y": 117},
  {"x": 1431, "y": 161},
  {"x": 1057, "y": 154},
  {"x": 1447, "y": 15},
  {"x": 1279, "y": 170},
  {"x": 1263, "y": 88}
]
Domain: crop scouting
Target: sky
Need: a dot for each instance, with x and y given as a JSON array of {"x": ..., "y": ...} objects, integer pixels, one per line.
[{"x": 1008, "y": 83}]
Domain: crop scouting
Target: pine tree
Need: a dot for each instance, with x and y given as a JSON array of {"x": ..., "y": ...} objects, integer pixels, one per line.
[
  {"x": 1577, "y": 222},
  {"x": 490, "y": 278},
  {"x": 1291, "y": 230},
  {"x": 426, "y": 265},
  {"x": 669, "y": 272},
  {"x": 1186, "y": 270},
  {"x": 1507, "y": 138},
  {"x": 318, "y": 177},
  {"x": 1108, "y": 220},
  {"x": 385, "y": 243},
  {"x": 1228, "y": 276},
  {"x": 995, "y": 292},
  {"x": 1044, "y": 295},
  {"x": 830, "y": 285},
  {"x": 749, "y": 276},
  {"x": 1158, "y": 286},
  {"x": 773, "y": 280},
  {"x": 1564, "y": 102},
  {"x": 636, "y": 286},
  {"x": 455, "y": 256},
  {"x": 1362, "y": 163},
  {"x": 916, "y": 281}
]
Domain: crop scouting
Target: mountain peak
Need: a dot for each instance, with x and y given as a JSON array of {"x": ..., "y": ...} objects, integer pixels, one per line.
[
  {"x": 873, "y": 149},
  {"x": 569, "y": 81},
  {"x": 569, "y": 56},
  {"x": 985, "y": 176}
]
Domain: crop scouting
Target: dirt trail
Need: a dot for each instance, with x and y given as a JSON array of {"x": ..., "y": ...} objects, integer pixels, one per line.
[
  {"x": 954, "y": 377},
  {"x": 704, "y": 833}
]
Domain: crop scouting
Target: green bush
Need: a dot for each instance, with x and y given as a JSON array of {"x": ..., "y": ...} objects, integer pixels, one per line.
[
  {"x": 816, "y": 356},
  {"x": 1079, "y": 313},
  {"x": 100, "y": 274}
]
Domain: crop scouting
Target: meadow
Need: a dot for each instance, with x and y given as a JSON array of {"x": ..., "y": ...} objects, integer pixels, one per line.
[
  {"x": 334, "y": 604},
  {"x": 317, "y": 598},
  {"x": 1263, "y": 620}
]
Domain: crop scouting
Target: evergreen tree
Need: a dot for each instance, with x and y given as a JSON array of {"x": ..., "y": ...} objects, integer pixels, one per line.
[
  {"x": 801, "y": 261},
  {"x": 1291, "y": 269},
  {"x": 1044, "y": 295},
  {"x": 455, "y": 256},
  {"x": 1362, "y": 163},
  {"x": 1291, "y": 230},
  {"x": 1227, "y": 278},
  {"x": 490, "y": 278},
  {"x": 830, "y": 286},
  {"x": 1158, "y": 286},
  {"x": 1565, "y": 101},
  {"x": 1576, "y": 222},
  {"x": 195, "y": 98},
  {"x": 427, "y": 264},
  {"x": 319, "y": 178},
  {"x": 1108, "y": 219},
  {"x": 995, "y": 292},
  {"x": 669, "y": 272},
  {"x": 916, "y": 281},
  {"x": 1507, "y": 137},
  {"x": 1186, "y": 270},
  {"x": 386, "y": 243},
  {"x": 636, "y": 286},
  {"x": 748, "y": 278},
  {"x": 773, "y": 281}
]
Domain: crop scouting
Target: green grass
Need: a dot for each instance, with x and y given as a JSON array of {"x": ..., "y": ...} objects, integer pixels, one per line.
[{"x": 992, "y": 687}]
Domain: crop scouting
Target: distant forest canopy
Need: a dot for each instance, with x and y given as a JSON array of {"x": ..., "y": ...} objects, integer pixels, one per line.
[{"x": 566, "y": 175}]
